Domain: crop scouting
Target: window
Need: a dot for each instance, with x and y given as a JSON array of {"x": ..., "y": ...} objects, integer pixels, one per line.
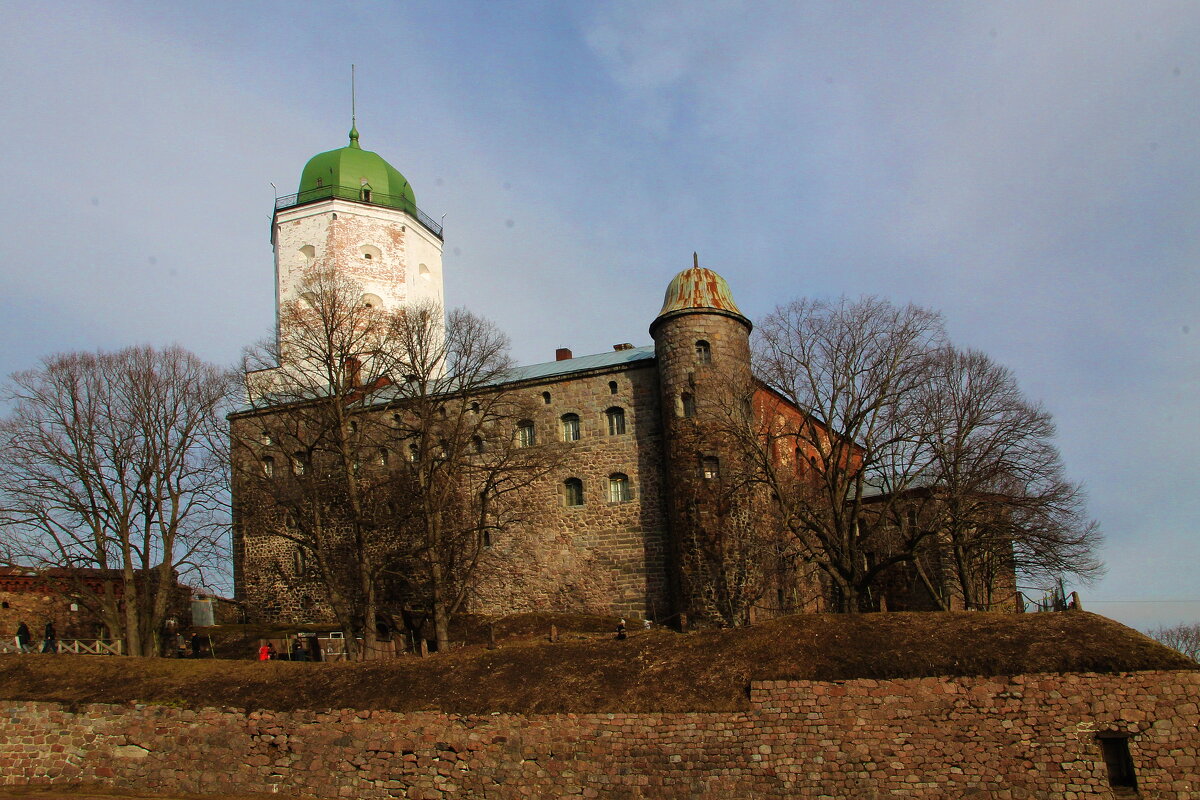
[
  {"x": 619, "y": 490},
  {"x": 371, "y": 301},
  {"x": 487, "y": 538},
  {"x": 268, "y": 466},
  {"x": 265, "y": 438},
  {"x": 546, "y": 398},
  {"x": 616, "y": 420},
  {"x": 1114, "y": 747},
  {"x": 474, "y": 408},
  {"x": 477, "y": 444},
  {"x": 703, "y": 352},
  {"x": 573, "y": 492},
  {"x": 525, "y": 436},
  {"x": 710, "y": 468},
  {"x": 570, "y": 427},
  {"x": 299, "y": 463},
  {"x": 687, "y": 405},
  {"x": 414, "y": 453},
  {"x": 612, "y": 387},
  {"x": 351, "y": 372},
  {"x": 300, "y": 565},
  {"x": 381, "y": 457}
]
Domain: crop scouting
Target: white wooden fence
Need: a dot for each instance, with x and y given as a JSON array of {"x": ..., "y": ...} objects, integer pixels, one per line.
[{"x": 90, "y": 647}]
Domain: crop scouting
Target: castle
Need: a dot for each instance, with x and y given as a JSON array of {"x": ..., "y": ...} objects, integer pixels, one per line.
[{"x": 614, "y": 525}]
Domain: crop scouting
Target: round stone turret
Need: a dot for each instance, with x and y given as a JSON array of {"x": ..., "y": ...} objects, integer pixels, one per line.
[
  {"x": 351, "y": 173},
  {"x": 702, "y": 346}
]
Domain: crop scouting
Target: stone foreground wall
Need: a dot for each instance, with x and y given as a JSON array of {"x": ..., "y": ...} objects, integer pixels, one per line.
[{"x": 1021, "y": 737}]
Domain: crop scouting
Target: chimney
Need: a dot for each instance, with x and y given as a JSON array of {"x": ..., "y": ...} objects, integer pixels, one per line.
[
  {"x": 622, "y": 346},
  {"x": 562, "y": 354}
]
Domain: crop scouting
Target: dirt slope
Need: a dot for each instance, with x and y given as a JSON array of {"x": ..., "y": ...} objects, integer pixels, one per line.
[{"x": 589, "y": 671}]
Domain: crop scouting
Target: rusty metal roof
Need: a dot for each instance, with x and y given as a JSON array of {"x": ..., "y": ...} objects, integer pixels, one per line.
[{"x": 699, "y": 288}]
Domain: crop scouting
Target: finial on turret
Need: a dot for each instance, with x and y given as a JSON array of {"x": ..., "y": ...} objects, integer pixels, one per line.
[
  {"x": 695, "y": 260},
  {"x": 353, "y": 113}
]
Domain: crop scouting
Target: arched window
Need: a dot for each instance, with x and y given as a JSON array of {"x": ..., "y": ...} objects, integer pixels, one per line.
[
  {"x": 710, "y": 468},
  {"x": 703, "y": 352},
  {"x": 616, "y": 420},
  {"x": 573, "y": 492},
  {"x": 381, "y": 457},
  {"x": 570, "y": 427},
  {"x": 525, "y": 435},
  {"x": 474, "y": 408},
  {"x": 299, "y": 463},
  {"x": 477, "y": 444},
  {"x": 414, "y": 452},
  {"x": 619, "y": 490},
  {"x": 612, "y": 387},
  {"x": 268, "y": 466},
  {"x": 546, "y": 398}
]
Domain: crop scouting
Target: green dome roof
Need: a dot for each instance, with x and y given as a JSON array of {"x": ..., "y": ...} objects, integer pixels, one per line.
[{"x": 351, "y": 172}]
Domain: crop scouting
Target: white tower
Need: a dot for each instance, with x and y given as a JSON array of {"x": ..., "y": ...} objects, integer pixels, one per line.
[{"x": 354, "y": 213}]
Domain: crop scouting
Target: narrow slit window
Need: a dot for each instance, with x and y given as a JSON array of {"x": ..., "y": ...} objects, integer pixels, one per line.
[{"x": 687, "y": 404}]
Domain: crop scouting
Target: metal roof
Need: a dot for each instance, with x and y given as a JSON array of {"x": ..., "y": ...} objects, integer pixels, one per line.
[{"x": 554, "y": 369}]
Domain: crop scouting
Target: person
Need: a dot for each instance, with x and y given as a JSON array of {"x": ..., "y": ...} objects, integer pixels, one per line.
[
  {"x": 50, "y": 645},
  {"x": 299, "y": 651},
  {"x": 264, "y": 652},
  {"x": 621, "y": 630},
  {"x": 196, "y": 645},
  {"x": 24, "y": 638}
]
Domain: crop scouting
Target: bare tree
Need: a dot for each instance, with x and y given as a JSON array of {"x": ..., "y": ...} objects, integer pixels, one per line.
[
  {"x": 1182, "y": 637},
  {"x": 383, "y": 444},
  {"x": 997, "y": 496},
  {"x": 305, "y": 455},
  {"x": 842, "y": 474},
  {"x": 465, "y": 464},
  {"x": 115, "y": 461}
]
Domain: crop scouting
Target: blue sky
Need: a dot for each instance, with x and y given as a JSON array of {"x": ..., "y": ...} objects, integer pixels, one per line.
[{"x": 1030, "y": 169}]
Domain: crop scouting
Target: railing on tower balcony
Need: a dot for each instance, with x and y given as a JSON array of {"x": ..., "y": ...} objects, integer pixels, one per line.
[{"x": 359, "y": 196}]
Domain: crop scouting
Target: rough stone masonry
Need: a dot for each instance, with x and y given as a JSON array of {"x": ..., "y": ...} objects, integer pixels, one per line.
[{"x": 1012, "y": 738}]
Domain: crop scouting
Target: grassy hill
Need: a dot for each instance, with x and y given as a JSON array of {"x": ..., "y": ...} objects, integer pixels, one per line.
[{"x": 588, "y": 671}]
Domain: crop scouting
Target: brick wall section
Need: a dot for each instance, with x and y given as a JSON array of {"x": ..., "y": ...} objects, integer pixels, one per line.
[{"x": 1016, "y": 738}]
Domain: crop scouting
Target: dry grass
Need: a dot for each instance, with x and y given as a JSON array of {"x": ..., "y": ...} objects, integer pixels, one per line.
[{"x": 588, "y": 671}]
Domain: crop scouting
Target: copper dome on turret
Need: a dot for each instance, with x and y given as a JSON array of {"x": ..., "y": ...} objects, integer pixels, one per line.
[{"x": 698, "y": 290}]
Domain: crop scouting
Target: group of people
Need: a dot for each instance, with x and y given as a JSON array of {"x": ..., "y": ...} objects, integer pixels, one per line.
[
  {"x": 299, "y": 650},
  {"x": 25, "y": 638}
]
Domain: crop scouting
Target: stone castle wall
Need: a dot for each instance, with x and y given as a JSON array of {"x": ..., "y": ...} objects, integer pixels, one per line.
[
  {"x": 599, "y": 557},
  {"x": 1017, "y": 738},
  {"x": 604, "y": 556}
]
